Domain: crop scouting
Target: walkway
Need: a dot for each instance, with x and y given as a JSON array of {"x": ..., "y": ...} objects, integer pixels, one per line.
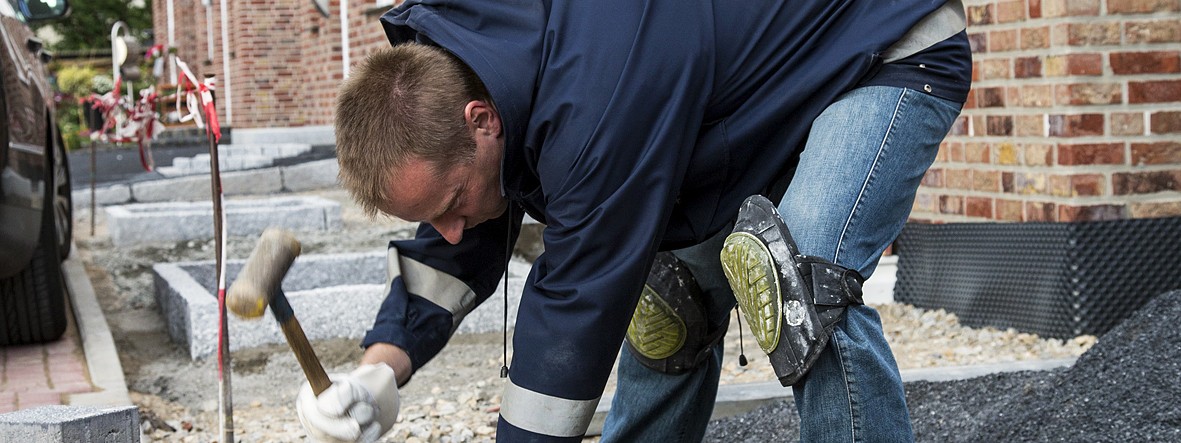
[
  {"x": 80, "y": 368},
  {"x": 44, "y": 374}
]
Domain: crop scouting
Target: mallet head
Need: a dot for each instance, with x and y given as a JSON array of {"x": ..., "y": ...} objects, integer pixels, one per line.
[{"x": 262, "y": 274}]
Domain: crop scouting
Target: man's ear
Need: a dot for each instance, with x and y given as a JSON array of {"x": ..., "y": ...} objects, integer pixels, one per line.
[{"x": 482, "y": 117}]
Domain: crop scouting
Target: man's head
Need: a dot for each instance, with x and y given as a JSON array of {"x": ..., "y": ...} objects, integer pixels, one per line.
[{"x": 417, "y": 137}]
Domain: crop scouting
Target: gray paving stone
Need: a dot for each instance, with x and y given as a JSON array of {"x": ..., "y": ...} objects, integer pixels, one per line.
[
  {"x": 196, "y": 187},
  {"x": 172, "y": 171},
  {"x": 489, "y": 316},
  {"x": 234, "y": 157},
  {"x": 189, "y": 188},
  {"x": 179, "y": 221},
  {"x": 530, "y": 243},
  {"x": 320, "y": 174},
  {"x": 70, "y": 424},
  {"x": 316, "y": 135},
  {"x": 333, "y": 296},
  {"x": 104, "y": 195},
  {"x": 199, "y": 164},
  {"x": 272, "y": 150},
  {"x": 258, "y": 181}
]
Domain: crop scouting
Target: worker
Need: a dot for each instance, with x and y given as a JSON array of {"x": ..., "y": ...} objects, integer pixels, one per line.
[{"x": 684, "y": 158}]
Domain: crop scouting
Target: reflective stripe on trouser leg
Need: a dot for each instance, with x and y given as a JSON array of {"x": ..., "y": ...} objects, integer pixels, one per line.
[{"x": 545, "y": 414}]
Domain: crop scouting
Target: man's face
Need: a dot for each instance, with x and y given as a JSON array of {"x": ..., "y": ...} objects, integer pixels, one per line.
[{"x": 453, "y": 200}]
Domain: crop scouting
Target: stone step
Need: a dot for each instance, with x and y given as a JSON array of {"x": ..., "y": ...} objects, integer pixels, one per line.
[
  {"x": 180, "y": 221},
  {"x": 333, "y": 296},
  {"x": 235, "y": 157},
  {"x": 200, "y": 164}
]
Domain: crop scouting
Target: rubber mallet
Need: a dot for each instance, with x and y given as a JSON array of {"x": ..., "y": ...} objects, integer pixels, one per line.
[{"x": 258, "y": 285}]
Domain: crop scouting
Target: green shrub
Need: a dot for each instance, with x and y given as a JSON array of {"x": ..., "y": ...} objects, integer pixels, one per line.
[{"x": 76, "y": 81}]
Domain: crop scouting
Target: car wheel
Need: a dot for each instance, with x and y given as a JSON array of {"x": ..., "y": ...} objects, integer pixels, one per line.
[
  {"x": 63, "y": 200},
  {"x": 32, "y": 302}
]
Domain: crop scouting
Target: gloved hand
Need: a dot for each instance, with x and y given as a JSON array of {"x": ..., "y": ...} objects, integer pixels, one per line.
[{"x": 360, "y": 406}]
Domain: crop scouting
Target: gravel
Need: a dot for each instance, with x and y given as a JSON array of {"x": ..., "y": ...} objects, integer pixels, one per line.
[
  {"x": 1123, "y": 389},
  {"x": 454, "y": 398}
]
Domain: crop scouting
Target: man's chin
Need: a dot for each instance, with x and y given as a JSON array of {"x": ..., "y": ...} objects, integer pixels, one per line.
[
  {"x": 500, "y": 211},
  {"x": 492, "y": 215}
]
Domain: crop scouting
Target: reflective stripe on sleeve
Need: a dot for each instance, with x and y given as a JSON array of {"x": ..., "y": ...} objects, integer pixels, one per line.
[
  {"x": 438, "y": 287},
  {"x": 545, "y": 414}
]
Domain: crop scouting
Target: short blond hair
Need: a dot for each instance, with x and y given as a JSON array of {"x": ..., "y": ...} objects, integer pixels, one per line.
[{"x": 403, "y": 102}]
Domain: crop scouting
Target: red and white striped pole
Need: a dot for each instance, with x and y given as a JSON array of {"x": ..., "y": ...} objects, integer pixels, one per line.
[{"x": 207, "y": 111}]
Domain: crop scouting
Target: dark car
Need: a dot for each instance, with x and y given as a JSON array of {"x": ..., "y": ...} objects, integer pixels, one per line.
[{"x": 36, "y": 218}]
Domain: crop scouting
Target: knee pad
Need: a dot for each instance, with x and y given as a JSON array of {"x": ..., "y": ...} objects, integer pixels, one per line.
[
  {"x": 791, "y": 302},
  {"x": 669, "y": 331}
]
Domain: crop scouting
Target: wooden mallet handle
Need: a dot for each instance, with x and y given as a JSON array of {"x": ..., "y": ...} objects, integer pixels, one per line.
[
  {"x": 299, "y": 343},
  {"x": 259, "y": 285}
]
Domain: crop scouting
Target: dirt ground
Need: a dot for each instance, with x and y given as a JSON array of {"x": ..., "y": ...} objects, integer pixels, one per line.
[
  {"x": 454, "y": 398},
  {"x": 176, "y": 392}
]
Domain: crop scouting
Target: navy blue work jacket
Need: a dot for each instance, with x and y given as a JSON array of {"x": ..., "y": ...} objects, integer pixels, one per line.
[{"x": 631, "y": 126}]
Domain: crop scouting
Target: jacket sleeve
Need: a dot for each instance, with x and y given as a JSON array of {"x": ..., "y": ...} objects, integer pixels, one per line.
[
  {"x": 616, "y": 128},
  {"x": 433, "y": 284}
]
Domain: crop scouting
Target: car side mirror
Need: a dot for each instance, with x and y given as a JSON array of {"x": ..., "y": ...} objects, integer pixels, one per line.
[{"x": 42, "y": 10}]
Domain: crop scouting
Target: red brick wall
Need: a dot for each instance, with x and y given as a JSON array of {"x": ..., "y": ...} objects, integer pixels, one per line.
[
  {"x": 1075, "y": 114},
  {"x": 285, "y": 58}
]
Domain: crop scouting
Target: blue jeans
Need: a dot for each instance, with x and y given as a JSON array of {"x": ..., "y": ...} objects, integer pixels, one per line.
[{"x": 848, "y": 200}]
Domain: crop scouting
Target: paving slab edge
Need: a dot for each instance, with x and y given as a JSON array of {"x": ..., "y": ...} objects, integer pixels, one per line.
[
  {"x": 740, "y": 398},
  {"x": 102, "y": 358},
  {"x": 308, "y": 176}
]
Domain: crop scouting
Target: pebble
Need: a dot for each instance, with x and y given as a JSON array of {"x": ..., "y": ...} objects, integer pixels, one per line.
[
  {"x": 467, "y": 412},
  {"x": 1121, "y": 390}
]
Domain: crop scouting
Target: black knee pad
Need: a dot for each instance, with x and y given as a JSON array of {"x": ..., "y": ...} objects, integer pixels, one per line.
[
  {"x": 669, "y": 331},
  {"x": 791, "y": 302}
]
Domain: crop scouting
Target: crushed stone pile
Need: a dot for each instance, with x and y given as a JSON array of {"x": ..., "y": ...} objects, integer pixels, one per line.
[{"x": 1123, "y": 389}]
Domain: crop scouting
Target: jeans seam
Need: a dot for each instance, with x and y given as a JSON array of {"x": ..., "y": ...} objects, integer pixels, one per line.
[
  {"x": 853, "y": 416},
  {"x": 869, "y": 176}
]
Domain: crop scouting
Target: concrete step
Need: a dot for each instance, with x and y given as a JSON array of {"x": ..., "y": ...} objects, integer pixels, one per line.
[
  {"x": 235, "y": 157},
  {"x": 333, "y": 296},
  {"x": 180, "y": 221}
]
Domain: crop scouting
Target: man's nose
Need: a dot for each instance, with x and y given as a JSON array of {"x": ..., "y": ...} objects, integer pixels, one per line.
[{"x": 451, "y": 228}]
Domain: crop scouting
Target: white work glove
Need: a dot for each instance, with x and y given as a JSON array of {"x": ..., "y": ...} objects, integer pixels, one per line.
[{"x": 360, "y": 406}]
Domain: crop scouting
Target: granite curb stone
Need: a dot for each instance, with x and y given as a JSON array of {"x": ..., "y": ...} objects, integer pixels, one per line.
[
  {"x": 180, "y": 221},
  {"x": 106, "y": 195},
  {"x": 333, "y": 296},
  {"x": 102, "y": 358},
  {"x": 314, "y": 175},
  {"x": 315, "y": 135},
  {"x": 319, "y": 174},
  {"x": 70, "y": 424},
  {"x": 196, "y": 187}
]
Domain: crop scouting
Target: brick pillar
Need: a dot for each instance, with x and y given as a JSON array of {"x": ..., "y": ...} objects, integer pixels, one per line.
[{"x": 1074, "y": 115}]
